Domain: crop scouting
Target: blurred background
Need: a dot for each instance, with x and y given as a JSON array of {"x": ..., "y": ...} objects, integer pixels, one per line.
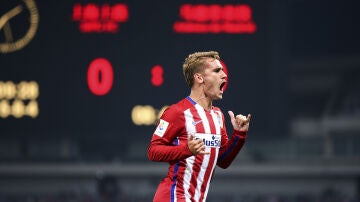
[{"x": 82, "y": 84}]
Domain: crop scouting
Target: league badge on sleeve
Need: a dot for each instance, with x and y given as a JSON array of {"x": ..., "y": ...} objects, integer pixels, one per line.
[{"x": 161, "y": 128}]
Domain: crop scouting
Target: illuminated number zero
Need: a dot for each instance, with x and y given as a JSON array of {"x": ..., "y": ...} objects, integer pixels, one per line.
[{"x": 100, "y": 76}]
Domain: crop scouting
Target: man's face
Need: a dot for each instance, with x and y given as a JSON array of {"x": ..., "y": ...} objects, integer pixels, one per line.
[{"x": 214, "y": 79}]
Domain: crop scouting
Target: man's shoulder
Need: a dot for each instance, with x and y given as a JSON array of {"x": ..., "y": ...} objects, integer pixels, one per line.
[
  {"x": 175, "y": 111},
  {"x": 181, "y": 105}
]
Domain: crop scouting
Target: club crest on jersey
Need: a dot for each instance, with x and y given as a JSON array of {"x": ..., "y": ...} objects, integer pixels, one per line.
[
  {"x": 161, "y": 128},
  {"x": 210, "y": 140}
]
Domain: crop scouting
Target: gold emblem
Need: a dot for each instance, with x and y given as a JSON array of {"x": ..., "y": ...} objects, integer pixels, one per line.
[{"x": 19, "y": 21}]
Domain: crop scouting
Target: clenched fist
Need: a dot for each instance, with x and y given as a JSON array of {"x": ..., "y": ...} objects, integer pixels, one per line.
[{"x": 196, "y": 146}]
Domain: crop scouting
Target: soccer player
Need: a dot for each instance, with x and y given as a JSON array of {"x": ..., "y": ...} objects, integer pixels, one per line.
[{"x": 191, "y": 134}]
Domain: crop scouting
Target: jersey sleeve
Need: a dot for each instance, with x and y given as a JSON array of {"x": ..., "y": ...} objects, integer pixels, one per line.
[
  {"x": 230, "y": 147},
  {"x": 165, "y": 144}
]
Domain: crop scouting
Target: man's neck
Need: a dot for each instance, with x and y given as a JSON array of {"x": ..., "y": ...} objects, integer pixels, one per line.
[{"x": 201, "y": 99}]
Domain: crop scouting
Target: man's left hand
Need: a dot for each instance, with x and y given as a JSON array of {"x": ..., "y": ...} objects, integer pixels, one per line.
[{"x": 240, "y": 122}]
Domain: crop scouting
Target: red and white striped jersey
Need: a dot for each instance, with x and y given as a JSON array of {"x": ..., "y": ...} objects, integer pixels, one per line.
[{"x": 189, "y": 176}]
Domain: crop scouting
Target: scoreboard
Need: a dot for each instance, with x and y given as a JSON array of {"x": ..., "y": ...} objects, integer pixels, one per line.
[{"x": 107, "y": 69}]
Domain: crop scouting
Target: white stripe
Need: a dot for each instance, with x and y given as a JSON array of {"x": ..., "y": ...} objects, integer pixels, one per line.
[
  {"x": 187, "y": 175},
  {"x": 175, "y": 198},
  {"x": 203, "y": 117},
  {"x": 220, "y": 117},
  {"x": 190, "y": 129},
  {"x": 206, "y": 158},
  {"x": 218, "y": 126},
  {"x": 174, "y": 191},
  {"x": 187, "y": 199},
  {"x": 217, "y": 121},
  {"x": 189, "y": 119},
  {"x": 200, "y": 178},
  {"x": 211, "y": 173}
]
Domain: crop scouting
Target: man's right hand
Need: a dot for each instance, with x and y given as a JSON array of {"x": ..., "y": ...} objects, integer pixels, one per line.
[{"x": 196, "y": 146}]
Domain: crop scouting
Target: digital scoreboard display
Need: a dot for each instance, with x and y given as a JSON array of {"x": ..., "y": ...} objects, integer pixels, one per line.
[{"x": 105, "y": 70}]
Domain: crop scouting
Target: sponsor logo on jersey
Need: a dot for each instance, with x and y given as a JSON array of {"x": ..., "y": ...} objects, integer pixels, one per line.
[
  {"x": 161, "y": 128},
  {"x": 210, "y": 140}
]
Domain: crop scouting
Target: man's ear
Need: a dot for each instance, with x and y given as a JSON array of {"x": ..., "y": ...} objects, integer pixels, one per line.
[{"x": 198, "y": 78}]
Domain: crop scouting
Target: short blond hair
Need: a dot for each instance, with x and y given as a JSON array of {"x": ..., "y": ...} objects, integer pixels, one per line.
[{"x": 194, "y": 63}]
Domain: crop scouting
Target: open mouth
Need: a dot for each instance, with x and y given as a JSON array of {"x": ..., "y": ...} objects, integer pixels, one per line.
[{"x": 222, "y": 85}]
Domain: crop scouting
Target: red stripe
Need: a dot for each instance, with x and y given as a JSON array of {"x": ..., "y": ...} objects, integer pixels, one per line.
[
  {"x": 199, "y": 158},
  {"x": 211, "y": 122},
  {"x": 207, "y": 176},
  {"x": 180, "y": 194},
  {"x": 212, "y": 157}
]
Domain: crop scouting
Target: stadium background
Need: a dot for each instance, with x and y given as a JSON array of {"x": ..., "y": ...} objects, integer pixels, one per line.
[{"x": 296, "y": 73}]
